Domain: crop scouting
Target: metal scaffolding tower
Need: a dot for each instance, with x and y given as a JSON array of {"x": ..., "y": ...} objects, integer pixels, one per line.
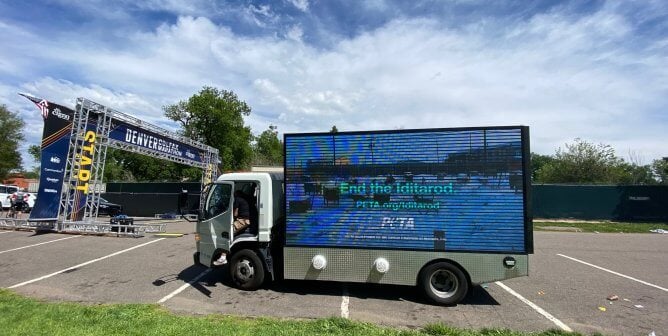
[{"x": 90, "y": 116}]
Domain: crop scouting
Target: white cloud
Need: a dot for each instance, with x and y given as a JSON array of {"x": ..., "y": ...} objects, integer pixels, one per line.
[
  {"x": 260, "y": 15},
  {"x": 295, "y": 33},
  {"x": 302, "y": 5},
  {"x": 564, "y": 76}
]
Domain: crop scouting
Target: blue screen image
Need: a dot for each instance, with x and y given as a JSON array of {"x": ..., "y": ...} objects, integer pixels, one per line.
[{"x": 433, "y": 190}]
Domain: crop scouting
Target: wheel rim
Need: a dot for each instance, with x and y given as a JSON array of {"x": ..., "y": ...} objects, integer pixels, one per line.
[
  {"x": 443, "y": 283},
  {"x": 245, "y": 271}
]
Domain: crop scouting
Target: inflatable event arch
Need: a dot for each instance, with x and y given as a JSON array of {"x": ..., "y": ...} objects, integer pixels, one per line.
[{"x": 74, "y": 147}]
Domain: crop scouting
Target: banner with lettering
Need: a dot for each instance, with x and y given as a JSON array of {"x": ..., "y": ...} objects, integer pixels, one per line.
[
  {"x": 154, "y": 142},
  {"x": 54, "y": 146},
  {"x": 83, "y": 169}
]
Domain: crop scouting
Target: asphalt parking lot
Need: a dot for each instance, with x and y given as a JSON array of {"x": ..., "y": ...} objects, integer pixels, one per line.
[{"x": 571, "y": 277}]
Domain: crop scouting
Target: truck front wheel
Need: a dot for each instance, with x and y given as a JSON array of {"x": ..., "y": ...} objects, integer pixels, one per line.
[
  {"x": 246, "y": 270},
  {"x": 443, "y": 283}
]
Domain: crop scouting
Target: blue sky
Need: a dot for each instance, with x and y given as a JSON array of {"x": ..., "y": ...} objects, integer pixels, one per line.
[{"x": 597, "y": 70}]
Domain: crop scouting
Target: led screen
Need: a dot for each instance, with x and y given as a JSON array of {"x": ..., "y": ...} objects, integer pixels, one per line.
[{"x": 436, "y": 190}]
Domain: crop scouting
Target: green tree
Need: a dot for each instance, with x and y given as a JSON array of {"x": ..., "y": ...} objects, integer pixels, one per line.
[
  {"x": 114, "y": 171},
  {"x": 583, "y": 162},
  {"x": 36, "y": 152},
  {"x": 632, "y": 173},
  {"x": 268, "y": 148},
  {"x": 334, "y": 129},
  {"x": 660, "y": 170},
  {"x": 11, "y": 133},
  {"x": 132, "y": 167},
  {"x": 538, "y": 161},
  {"x": 215, "y": 117}
]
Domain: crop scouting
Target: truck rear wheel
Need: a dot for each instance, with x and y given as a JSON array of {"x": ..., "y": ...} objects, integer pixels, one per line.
[
  {"x": 443, "y": 283},
  {"x": 246, "y": 270}
]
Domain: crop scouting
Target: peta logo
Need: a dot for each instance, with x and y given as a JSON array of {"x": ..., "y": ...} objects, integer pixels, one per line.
[
  {"x": 190, "y": 155},
  {"x": 60, "y": 114},
  {"x": 55, "y": 159}
]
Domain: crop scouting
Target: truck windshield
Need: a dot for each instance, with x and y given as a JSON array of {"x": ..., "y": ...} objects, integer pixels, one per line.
[{"x": 218, "y": 200}]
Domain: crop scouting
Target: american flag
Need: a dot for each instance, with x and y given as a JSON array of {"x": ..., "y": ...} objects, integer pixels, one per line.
[
  {"x": 44, "y": 107},
  {"x": 42, "y": 104}
]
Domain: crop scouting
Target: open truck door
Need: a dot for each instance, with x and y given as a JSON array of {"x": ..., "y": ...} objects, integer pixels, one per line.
[{"x": 214, "y": 227}]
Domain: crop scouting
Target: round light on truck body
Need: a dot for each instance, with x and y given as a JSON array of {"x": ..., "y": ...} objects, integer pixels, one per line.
[
  {"x": 319, "y": 262},
  {"x": 381, "y": 265}
]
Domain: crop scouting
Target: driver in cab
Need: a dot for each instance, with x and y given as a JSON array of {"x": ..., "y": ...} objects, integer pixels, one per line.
[{"x": 241, "y": 221}]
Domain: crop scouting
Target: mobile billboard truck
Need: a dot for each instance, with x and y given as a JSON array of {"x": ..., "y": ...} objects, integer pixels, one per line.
[{"x": 440, "y": 209}]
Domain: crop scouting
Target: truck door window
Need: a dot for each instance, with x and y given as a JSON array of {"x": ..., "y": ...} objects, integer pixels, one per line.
[{"x": 218, "y": 200}]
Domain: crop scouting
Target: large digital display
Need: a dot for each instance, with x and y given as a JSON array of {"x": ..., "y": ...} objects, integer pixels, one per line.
[{"x": 435, "y": 190}]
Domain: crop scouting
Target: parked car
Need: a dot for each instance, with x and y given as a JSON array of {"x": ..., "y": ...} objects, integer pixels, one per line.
[
  {"x": 108, "y": 208},
  {"x": 32, "y": 197},
  {"x": 5, "y": 192}
]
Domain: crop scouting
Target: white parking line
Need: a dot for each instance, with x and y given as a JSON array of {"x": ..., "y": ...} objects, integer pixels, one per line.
[
  {"x": 345, "y": 300},
  {"x": 84, "y": 264},
  {"x": 47, "y": 242},
  {"x": 182, "y": 288},
  {"x": 1, "y": 232},
  {"x": 535, "y": 307},
  {"x": 613, "y": 272}
]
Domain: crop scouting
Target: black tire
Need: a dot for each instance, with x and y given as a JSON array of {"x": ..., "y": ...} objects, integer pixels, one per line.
[
  {"x": 443, "y": 283},
  {"x": 246, "y": 270}
]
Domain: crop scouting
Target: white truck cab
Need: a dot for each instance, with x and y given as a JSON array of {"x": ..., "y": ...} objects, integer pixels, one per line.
[{"x": 248, "y": 251}]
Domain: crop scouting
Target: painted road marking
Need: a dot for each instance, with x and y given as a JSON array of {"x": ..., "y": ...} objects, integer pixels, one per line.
[
  {"x": 345, "y": 300},
  {"x": 169, "y": 235},
  {"x": 535, "y": 307},
  {"x": 613, "y": 272},
  {"x": 84, "y": 264},
  {"x": 182, "y": 288},
  {"x": 47, "y": 242},
  {"x": 1, "y": 232}
]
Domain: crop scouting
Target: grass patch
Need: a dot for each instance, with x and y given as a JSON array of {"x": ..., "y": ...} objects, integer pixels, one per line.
[
  {"x": 25, "y": 316},
  {"x": 606, "y": 226}
]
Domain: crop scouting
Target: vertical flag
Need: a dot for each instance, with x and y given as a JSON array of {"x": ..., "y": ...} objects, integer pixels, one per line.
[{"x": 55, "y": 144}]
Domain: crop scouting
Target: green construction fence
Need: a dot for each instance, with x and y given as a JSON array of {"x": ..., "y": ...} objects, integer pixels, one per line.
[{"x": 606, "y": 202}]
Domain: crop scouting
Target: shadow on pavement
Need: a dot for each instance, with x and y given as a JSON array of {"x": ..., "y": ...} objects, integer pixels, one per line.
[
  {"x": 220, "y": 276},
  {"x": 187, "y": 276}
]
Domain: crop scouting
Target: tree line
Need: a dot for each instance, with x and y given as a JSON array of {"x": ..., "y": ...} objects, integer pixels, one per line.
[
  {"x": 583, "y": 162},
  {"x": 216, "y": 117}
]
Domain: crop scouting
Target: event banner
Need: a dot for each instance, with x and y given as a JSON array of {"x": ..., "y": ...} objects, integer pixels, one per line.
[
  {"x": 431, "y": 190},
  {"x": 148, "y": 140},
  {"x": 83, "y": 166},
  {"x": 55, "y": 144}
]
